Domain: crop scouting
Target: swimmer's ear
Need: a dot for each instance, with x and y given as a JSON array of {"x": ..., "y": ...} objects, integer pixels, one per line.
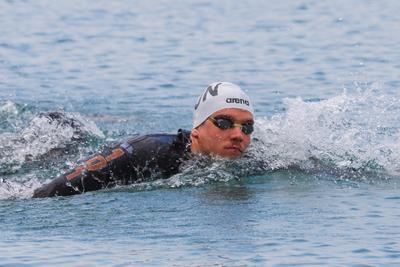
[{"x": 194, "y": 136}]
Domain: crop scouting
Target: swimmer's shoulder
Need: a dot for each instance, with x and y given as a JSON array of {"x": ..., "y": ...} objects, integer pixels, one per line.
[{"x": 155, "y": 141}]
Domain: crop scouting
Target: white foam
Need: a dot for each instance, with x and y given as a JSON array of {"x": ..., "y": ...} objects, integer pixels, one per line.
[
  {"x": 354, "y": 131},
  {"x": 18, "y": 190},
  {"x": 9, "y": 107},
  {"x": 41, "y": 136}
]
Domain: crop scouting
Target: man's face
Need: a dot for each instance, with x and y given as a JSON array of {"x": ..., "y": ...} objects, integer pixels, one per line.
[{"x": 230, "y": 143}]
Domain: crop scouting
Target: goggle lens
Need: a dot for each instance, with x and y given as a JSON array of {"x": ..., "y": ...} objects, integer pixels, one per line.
[{"x": 226, "y": 123}]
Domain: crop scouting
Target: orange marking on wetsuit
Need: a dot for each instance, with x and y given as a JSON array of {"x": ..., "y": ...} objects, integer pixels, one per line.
[
  {"x": 78, "y": 171},
  {"x": 116, "y": 153},
  {"x": 96, "y": 163}
]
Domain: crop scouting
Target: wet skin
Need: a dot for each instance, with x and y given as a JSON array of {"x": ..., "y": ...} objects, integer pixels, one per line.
[{"x": 230, "y": 143}]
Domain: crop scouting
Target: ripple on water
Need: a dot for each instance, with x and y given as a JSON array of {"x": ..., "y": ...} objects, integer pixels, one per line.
[{"x": 318, "y": 186}]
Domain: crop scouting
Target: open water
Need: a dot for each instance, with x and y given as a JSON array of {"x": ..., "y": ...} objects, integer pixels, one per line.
[{"x": 318, "y": 186}]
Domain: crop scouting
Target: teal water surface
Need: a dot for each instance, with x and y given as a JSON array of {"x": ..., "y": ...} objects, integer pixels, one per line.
[{"x": 318, "y": 186}]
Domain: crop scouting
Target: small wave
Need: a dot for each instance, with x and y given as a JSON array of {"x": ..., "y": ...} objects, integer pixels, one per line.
[
  {"x": 18, "y": 190},
  {"x": 206, "y": 169},
  {"x": 357, "y": 131},
  {"x": 12, "y": 116},
  {"x": 9, "y": 107},
  {"x": 45, "y": 136}
]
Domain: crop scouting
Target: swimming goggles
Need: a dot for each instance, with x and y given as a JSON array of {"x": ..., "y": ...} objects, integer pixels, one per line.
[{"x": 224, "y": 123}]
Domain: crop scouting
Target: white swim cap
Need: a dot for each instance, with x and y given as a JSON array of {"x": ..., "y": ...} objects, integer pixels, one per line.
[{"x": 217, "y": 96}]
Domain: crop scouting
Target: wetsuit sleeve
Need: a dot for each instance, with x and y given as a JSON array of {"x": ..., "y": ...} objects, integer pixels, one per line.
[
  {"x": 102, "y": 170},
  {"x": 137, "y": 159}
]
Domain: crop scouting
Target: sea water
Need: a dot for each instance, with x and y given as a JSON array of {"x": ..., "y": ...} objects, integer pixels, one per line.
[{"x": 318, "y": 185}]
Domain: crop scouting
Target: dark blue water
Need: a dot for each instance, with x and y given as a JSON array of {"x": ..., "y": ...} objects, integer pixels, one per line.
[{"x": 318, "y": 186}]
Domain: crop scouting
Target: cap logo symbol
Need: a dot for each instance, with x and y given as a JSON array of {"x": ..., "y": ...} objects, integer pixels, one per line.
[{"x": 212, "y": 91}]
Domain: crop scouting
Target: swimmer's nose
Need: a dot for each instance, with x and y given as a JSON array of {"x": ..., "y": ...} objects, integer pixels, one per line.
[{"x": 237, "y": 134}]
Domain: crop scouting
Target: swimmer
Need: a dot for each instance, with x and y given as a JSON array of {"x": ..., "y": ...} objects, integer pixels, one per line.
[{"x": 223, "y": 120}]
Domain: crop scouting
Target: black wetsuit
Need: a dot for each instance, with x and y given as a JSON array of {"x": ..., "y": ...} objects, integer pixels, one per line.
[{"x": 133, "y": 160}]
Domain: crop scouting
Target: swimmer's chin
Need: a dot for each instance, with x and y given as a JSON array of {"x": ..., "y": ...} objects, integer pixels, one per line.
[
  {"x": 227, "y": 154},
  {"x": 232, "y": 152}
]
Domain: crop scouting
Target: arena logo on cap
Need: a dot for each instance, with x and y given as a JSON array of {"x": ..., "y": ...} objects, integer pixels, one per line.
[{"x": 237, "y": 101}]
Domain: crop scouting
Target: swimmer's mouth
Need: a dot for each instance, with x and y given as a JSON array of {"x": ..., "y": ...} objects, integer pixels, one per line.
[{"x": 235, "y": 148}]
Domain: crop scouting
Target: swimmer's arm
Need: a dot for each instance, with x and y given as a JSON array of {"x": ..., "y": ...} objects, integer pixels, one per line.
[{"x": 100, "y": 171}]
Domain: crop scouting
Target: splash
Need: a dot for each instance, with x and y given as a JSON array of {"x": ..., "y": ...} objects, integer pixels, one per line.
[
  {"x": 197, "y": 172},
  {"x": 11, "y": 115},
  {"x": 45, "y": 135},
  {"x": 352, "y": 134},
  {"x": 18, "y": 190},
  {"x": 9, "y": 107},
  {"x": 357, "y": 132}
]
